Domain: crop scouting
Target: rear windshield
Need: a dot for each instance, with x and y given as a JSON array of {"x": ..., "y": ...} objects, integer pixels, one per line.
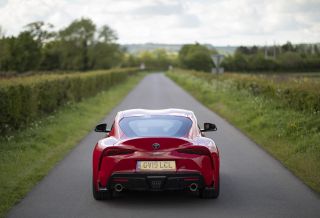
[{"x": 156, "y": 126}]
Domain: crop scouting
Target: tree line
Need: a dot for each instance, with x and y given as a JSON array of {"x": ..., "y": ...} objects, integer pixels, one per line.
[
  {"x": 191, "y": 56},
  {"x": 83, "y": 46},
  {"x": 80, "y": 46},
  {"x": 284, "y": 58},
  {"x": 158, "y": 59}
]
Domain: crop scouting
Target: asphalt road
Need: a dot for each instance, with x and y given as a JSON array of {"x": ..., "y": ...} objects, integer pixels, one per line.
[{"x": 253, "y": 184}]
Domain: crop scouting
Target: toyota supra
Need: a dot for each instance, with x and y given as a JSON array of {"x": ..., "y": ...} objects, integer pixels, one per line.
[{"x": 155, "y": 150}]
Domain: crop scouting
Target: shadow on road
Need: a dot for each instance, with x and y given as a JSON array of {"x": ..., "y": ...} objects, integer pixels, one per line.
[{"x": 157, "y": 199}]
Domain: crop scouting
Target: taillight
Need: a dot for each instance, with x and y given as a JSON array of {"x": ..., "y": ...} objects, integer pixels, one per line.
[
  {"x": 195, "y": 150},
  {"x": 117, "y": 151}
]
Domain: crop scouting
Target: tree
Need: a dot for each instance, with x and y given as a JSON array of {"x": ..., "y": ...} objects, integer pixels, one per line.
[
  {"x": 196, "y": 56},
  {"x": 77, "y": 38},
  {"x": 6, "y": 58},
  {"x": 1, "y": 32},
  {"x": 243, "y": 50},
  {"x": 247, "y": 50},
  {"x": 79, "y": 46},
  {"x": 51, "y": 56},
  {"x": 25, "y": 52},
  {"x": 240, "y": 62},
  {"x": 291, "y": 61},
  {"x": 106, "y": 55},
  {"x": 259, "y": 63},
  {"x": 105, "y": 52},
  {"x": 147, "y": 58},
  {"x": 107, "y": 35},
  {"x": 288, "y": 47},
  {"x": 254, "y": 49},
  {"x": 130, "y": 60},
  {"x": 40, "y": 31}
]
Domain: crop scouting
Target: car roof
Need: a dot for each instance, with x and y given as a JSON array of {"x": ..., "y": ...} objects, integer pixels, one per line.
[{"x": 146, "y": 112}]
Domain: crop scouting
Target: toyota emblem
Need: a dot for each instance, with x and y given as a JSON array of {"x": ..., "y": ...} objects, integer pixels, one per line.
[{"x": 156, "y": 146}]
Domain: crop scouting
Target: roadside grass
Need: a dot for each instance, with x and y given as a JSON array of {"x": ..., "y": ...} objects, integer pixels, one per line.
[
  {"x": 28, "y": 155},
  {"x": 291, "y": 136}
]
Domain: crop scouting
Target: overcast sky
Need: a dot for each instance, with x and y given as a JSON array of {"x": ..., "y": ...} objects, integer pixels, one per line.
[{"x": 219, "y": 22}]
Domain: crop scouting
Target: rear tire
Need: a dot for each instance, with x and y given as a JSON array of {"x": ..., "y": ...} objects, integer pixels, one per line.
[
  {"x": 101, "y": 195},
  {"x": 210, "y": 192}
]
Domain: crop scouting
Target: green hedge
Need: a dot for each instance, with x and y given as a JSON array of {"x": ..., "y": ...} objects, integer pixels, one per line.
[
  {"x": 302, "y": 94},
  {"x": 291, "y": 135},
  {"x": 24, "y": 99},
  {"x": 299, "y": 94}
]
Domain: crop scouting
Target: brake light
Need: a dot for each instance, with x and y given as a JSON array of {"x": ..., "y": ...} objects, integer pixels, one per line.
[
  {"x": 117, "y": 151},
  {"x": 195, "y": 150}
]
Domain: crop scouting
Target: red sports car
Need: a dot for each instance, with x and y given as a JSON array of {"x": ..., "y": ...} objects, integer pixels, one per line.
[{"x": 155, "y": 150}]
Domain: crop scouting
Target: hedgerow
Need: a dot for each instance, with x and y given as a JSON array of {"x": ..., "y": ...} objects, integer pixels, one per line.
[
  {"x": 298, "y": 94},
  {"x": 270, "y": 110},
  {"x": 24, "y": 99}
]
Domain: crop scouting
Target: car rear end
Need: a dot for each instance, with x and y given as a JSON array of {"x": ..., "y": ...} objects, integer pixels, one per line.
[
  {"x": 153, "y": 151},
  {"x": 156, "y": 164}
]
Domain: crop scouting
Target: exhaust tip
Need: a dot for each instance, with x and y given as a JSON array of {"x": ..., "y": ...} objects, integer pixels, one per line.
[
  {"x": 193, "y": 187},
  {"x": 118, "y": 187}
]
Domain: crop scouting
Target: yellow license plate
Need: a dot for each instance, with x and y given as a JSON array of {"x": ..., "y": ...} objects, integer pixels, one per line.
[{"x": 156, "y": 165}]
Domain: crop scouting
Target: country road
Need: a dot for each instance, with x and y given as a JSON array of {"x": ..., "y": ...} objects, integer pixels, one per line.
[{"x": 253, "y": 184}]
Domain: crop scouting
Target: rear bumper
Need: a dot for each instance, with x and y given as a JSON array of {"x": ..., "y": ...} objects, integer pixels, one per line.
[{"x": 155, "y": 181}]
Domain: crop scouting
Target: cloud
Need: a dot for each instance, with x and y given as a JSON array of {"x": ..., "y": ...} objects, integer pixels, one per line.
[
  {"x": 188, "y": 21},
  {"x": 219, "y": 22},
  {"x": 3, "y": 2},
  {"x": 159, "y": 8}
]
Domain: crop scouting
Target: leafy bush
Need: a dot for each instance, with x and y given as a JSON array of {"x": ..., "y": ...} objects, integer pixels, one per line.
[
  {"x": 196, "y": 57},
  {"x": 24, "y": 99}
]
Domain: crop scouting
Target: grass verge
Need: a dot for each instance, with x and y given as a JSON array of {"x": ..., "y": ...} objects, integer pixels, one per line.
[
  {"x": 292, "y": 136},
  {"x": 27, "y": 156}
]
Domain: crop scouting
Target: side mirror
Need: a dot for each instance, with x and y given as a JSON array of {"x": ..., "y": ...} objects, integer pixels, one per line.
[
  {"x": 101, "y": 128},
  {"x": 209, "y": 127}
]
